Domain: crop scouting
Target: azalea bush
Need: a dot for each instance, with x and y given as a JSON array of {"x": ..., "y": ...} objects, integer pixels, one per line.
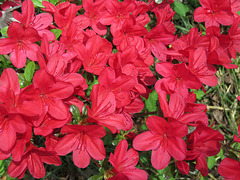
[{"x": 109, "y": 88}]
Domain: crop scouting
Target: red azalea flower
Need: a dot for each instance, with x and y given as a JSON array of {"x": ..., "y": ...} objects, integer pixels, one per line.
[
  {"x": 214, "y": 12},
  {"x": 33, "y": 159},
  {"x": 174, "y": 110},
  {"x": 103, "y": 110},
  {"x": 177, "y": 78},
  {"x": 12, "y": 106},
  {"x": 124, "y": 162},
  {"x": 39, "y": 22},
  {"x": 202, "y": 143},
  {"x": 49, "y": 93},
  {"x": 116, "y": 13},
  {"x": 84, "y": 141},
  {"x": 123, "y": 37},
  {"x": 20, "y": 44},
  {"x": 120, "y": 86},
  {"x": 64, "y": 15},
  {"x": 164, "y": 139},
  {"x": 94, "y": 54},
  {"x": 93, "y": 12},
  {"x": 199, "y": 67},
  {"x": 158, "y": 38}
]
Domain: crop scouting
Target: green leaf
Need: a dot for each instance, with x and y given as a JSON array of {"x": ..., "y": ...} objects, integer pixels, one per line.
[
  {"x": 2, "y": 168},
  {"x": 75, "y": 112},
  {"x": 96, "y": 177},
  {"x": 10, "y": 178},
  {"x": 199, "y": 94},
  {"x": 22, "y": 81},
  {"x": 180, "y": 8},
  {"x": 204, "y": 178},
  {"x": 38, "y": 3},
  {"x": 29, "y": 71},
  {"x": 57, "y": 32},
  {"x": 220, "y": 154},
  {"x": 54, "y": 2},
  {"x": 4, "y": 31},
  {"x": 144, "y": 127},
  {"x": 151, "y": 102},
  {"x": 211, "y": 162},
  {"x": 238, "y": 12}
]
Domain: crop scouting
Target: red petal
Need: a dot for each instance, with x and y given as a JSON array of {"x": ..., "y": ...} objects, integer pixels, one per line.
[
  {"x": 177, "y": 148},
  {"x": 156, "y": 125},
  {"x": 202, "y": 165},
  {"x": 194, "y": 118},
  {"x": 42, "y": 21},
  {"x": 49, "y": 157},
  {"x": 27, "y": 13},
  {"x": 95, "y": 131},
  {"x": 57, "y": 109},
  {"x": 229, "y": 168},
  {"x": 177, "y": 105},
  {"x": 146, "y": 141},
  {"x": 17, "y": 123},
  {"x": 165, "y": 69},
  {"x": 18, "y": 58},
  {"x": 35, "y": 166},
  {"x": 200, "y": 14},
  {"x": 15, "y": 169},
  {"x": 7, "y": 137},
  {"x": 95, "y": 148},
  {"x": 183, "y": 167},
  {"x": 160, "y": 158},
  {"x": 209, "y": 80},
  {"x": 66, "y": 144},
  {"x": 119, "y": 154},
  {"x": 81, "y": 158},
  {"x": 7, "y": 45},
  {"x": 134, "y": 173},
  {"x": 9, "y": 79},
  {"x": 60, "y": 90},
  {"x": 4, "y": 155}
]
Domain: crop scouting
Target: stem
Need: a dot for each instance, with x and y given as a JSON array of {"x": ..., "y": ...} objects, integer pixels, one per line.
[
  {"x": 229, "y": 147},
  {"x": 212, "y": 177}
]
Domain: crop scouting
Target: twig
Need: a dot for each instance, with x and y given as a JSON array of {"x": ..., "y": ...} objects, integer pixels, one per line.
[
  {"x": 218, "y": 108},
  {"x": 212, "y": 177},
  {"x": 229, "y": 147}
]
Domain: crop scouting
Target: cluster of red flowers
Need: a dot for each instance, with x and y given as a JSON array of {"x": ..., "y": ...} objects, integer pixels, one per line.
[{"x": 86, "y": 43}]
